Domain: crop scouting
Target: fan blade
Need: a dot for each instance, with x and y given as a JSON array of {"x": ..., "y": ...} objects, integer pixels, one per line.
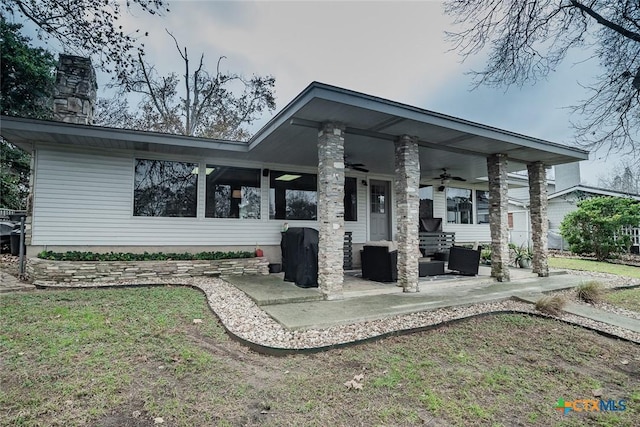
[
  {"x": 358, "y": 168},
  {"x": 355, "y": 164},
  {"x": 457, "y": 178}
]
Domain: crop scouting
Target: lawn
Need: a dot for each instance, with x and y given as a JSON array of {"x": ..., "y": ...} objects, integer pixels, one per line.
[
  {"x": 625, "y": 298},
  {"x": 125, "y": 357},
  {"x": 597, "y": 266}
]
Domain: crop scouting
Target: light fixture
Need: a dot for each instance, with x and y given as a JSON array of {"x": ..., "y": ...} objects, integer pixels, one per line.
[
  {"x": 236, "y": 194},
  {"x": 441, "y": 188},
  {"x": 196, "y": 170},
  {"x": 287, "y": 177},
  {"x": 364, "y": 182}
]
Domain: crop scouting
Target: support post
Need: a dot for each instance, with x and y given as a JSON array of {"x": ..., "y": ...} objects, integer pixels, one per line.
[
  {"x": 407, "y": 183},
  {"x": 539, "y": 220},
  {"x": 498, "y": 216},
  {"x": 331, "y": 210}
]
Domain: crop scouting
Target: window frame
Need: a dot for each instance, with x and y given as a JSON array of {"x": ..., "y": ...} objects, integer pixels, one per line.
[
  {"x": 276, "y": 199},
  {"x": 234, "y": 202},
  {"x": 191, "y": 165},
  {"x": 470, "y": 211}
]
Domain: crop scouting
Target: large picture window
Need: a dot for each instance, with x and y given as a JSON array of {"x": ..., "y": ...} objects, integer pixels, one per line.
[
  {"x": 426, "y": 201},
  {"x": 232, "y": 192},
  {"x": 482, "y": 206},
  {"x": 165, "y": 188},
  {"x": 350, "y": 199},
  {"x": 459, "y": 206},
  {"x": 293, "y": 195}
]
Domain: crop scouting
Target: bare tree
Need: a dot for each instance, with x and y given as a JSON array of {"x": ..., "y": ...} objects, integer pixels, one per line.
[
  {"x": 217, "y": 105},
  {"x": 624, "y": 177},
  {"x": 528, "y": 39},
  {"x": 89, "y": 28}
]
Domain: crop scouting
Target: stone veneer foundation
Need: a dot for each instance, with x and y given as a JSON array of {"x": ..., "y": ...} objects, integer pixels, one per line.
[{"x": 68, "y": 273}]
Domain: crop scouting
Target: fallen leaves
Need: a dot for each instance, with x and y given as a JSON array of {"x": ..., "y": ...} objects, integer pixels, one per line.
[{"x": 355, "y": 383}]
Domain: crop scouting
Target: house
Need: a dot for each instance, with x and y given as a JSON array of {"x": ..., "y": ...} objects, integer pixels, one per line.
[
  {"x": 332, "y": 159},
  {"x": 565, "y": 191}
]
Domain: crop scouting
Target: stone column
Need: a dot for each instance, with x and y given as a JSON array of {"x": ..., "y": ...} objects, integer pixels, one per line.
[
  {"x": 331, "y": 209},
  {"x": 498, "y": 216},
  {"x": 539, "y": 219},
  {"x": 407, "y": 183}
]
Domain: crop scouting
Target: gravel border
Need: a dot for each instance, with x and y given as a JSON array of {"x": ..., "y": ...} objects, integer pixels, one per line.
[{"x": 246, "y": 321}]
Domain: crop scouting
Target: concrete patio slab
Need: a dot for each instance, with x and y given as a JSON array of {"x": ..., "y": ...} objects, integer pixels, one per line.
[{"x": 365, "y": 300}]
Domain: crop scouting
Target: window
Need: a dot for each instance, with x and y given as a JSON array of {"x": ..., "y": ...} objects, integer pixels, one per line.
[
  {"x": 165, "y": 188},
  {"x": 459, "y": 206},
  {"x": 378, "y": 202},
  {"x": 482, "y": 206},
  {"x": 232, "y": 192},
  {"x": 426, "y": 202},
  {"x": 293, "y": 196},
  {"x": 350, "y": 199}
]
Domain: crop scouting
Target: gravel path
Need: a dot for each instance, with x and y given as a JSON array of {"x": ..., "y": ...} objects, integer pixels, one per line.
[{"x": 243, "y": 318}]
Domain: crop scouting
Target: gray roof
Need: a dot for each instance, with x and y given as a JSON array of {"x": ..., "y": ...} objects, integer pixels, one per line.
[{"x": 372, "y": 124}]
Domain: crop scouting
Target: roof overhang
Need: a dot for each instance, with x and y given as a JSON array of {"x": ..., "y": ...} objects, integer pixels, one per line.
[
  {"x": 372, "y": 124},
  {"x": 290, "y": 138},
  {"x": 27, "y": 133},
  {"x": 594, "y": 191}
]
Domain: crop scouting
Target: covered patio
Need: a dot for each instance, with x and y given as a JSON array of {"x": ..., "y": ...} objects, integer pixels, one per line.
[
  {"x": 363, "y": 300},
  {"x": 333, "y": 129}
]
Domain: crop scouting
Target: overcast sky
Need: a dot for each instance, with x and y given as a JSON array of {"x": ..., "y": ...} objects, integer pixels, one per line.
[{"x": 395, "y": 50}]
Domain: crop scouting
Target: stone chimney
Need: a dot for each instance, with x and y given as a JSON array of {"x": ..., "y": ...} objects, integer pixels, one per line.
[{"x": 74, "y": 96}]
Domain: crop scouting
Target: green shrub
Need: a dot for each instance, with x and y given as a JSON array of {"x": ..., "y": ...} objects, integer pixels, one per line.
[
  {"x": 595, "y": 227},
  {"x": 552, "y": 304},
  {"x": 590, "y": 292},
  {"x": 126, "y": 256}
]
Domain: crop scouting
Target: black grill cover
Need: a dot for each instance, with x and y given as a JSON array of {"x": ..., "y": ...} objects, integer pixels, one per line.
[{"x": 299, "y": 247}]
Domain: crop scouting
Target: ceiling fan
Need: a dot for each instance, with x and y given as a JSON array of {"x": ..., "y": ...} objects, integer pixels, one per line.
[
  {"x": 445, "y": 177},
  {"x": 355, "y": 166}
]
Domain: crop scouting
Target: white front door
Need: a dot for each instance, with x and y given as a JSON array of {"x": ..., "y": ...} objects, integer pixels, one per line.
[{"x": 380, "y": 204}]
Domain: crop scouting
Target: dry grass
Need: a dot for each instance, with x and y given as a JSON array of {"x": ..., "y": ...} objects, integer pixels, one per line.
[
  {"x": 551, "y": 304},
  {"x": 590, "y": 292}
]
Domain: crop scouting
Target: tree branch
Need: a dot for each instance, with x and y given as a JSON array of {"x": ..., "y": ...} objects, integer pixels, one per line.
[{"x": 603, "y": 21}]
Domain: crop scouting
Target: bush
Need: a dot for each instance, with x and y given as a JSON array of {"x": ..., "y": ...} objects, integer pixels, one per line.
[
  {"x": 156, "y": 256},
  {"x": 552, "y": 305},
  {"x": 590, "y": 292},
  {"x": 594, "y": 226}
]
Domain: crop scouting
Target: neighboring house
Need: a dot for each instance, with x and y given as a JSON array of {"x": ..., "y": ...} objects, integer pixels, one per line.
[
  {"x": 565, "y": 201},
  {"x": 564, "y": 193},
  {"x": 105, "y": 189}
]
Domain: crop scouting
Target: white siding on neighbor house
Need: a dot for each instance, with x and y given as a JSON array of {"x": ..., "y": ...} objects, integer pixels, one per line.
[
  {"x": 558, "y": 208},
  {"x": 521, "y": 232},
  {"x": 86, "y": 198}
]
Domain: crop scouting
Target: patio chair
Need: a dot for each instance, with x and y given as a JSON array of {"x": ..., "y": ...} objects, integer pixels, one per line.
[
  {"x": 379, "y": 263},
  {"x": 466, "y": 261}
]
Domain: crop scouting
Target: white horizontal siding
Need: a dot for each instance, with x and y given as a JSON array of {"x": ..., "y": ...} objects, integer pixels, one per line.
[
  {"x": 556, "y": 211},
  {"x": 465, "y": 233},
  {"x": 86, "y": 198},
  {"x": 359, "y": 227}
]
